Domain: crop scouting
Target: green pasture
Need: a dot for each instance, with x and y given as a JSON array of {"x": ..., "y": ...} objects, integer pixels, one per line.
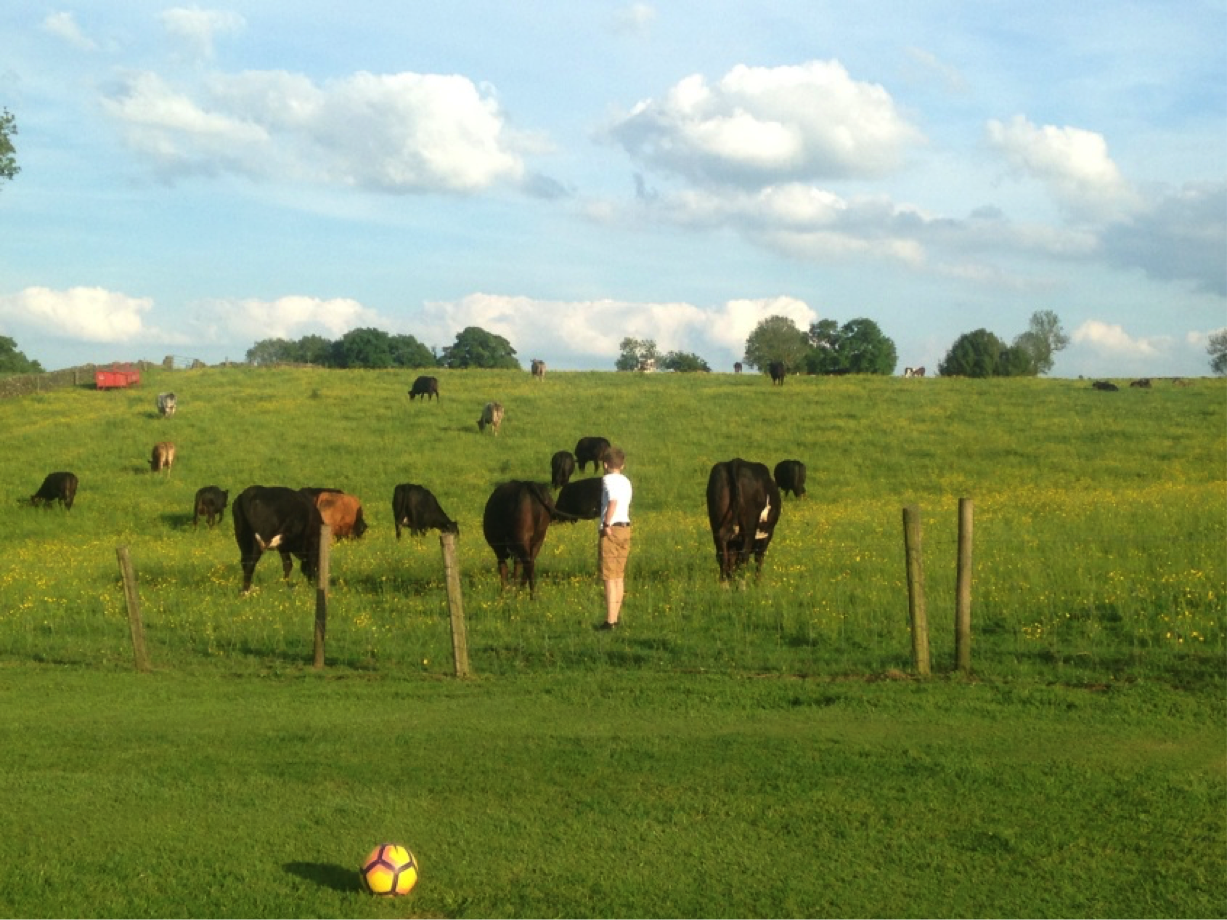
[
  {"x": 1100, "y": 523},
  {"x": 756, "y": 749}
]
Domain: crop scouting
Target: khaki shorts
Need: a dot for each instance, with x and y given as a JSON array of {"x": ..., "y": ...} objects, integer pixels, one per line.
[{"x": 614, "y": 548}]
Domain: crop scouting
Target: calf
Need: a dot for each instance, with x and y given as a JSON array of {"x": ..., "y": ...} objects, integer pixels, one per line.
[
  {"x": 790, "y": 477},
  {"x": 341, "y": 512},
  {"x": 591, "y": 448},
  {"x": 538, "y": 367},
  {"x": 61, "y": 487},
  {"x": 162, "y": 457},
  {"x": 562, "y": 465},
  {"x": 1144, "y": 383},
  {"x": 210, "y": 504},
  {"x": 579, "y": 500},
  {"x": 743, "y": 508},
  {"x": 492, "y": 416},
  {"x": 166, "y": 404},
  {"x": 776, "y": 370},
  {"x": 276, "y": 517},
  {"x": 1105, "y": 385},
  {"x": 736, "y": 367},
  {"x": 416, "y": 508}
]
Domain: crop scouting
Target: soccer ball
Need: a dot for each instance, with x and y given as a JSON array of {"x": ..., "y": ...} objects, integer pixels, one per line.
[{"x": 389, "y": 869}]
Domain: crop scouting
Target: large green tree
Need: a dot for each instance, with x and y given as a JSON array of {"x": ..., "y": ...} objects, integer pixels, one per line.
[
  {"x": 777, "y": 338},
  {"x": 475, "y": 347},
  {"x": 683, "y": 362},
  {"x": 8, "y": 153},
  {"x": 365, "y": 347},
  {"x": 1217, "y": 349},
  {"x": 982, "y": 354},
  {"x": 13, "y": 361},
  {"x": 857, "y": 347},
  {"x": 633, "y": 352},
  {"x": 1042, "y": 340}
]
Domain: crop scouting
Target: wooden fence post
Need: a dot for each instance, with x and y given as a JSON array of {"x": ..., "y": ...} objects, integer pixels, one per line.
[
  {"x": 135, "y": 627},
  {"x": 962, "y": 604},
  {"x": 321, "y": 595},
  {"x": 916, "y": 590},
  {"x": 455, "y": 605}
]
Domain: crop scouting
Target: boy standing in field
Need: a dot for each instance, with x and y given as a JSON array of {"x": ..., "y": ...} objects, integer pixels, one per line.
[{"x": 615, "y": 533}]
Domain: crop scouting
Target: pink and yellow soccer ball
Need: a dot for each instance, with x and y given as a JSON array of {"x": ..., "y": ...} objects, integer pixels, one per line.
[{"x": 390, "y": 869}]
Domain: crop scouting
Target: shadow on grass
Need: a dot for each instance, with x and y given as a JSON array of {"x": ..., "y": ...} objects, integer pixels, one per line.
[{"x": 327, "y": 875}]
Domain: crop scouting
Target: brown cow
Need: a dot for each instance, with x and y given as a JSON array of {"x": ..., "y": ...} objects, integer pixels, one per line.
[
  {"x": 340, "y": 511},
  {"x": 163, "y": 457},
  {"x": 515, "y": 522}
]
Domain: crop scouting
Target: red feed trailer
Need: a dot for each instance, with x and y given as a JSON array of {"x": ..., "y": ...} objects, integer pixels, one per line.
[{"x": 117, "y": 378}]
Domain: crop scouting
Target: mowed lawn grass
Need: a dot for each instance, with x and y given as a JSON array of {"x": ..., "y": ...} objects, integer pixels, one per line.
[{"x": 624, "y": 794}]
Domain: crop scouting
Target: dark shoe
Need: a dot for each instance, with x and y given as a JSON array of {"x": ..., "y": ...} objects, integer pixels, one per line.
[{"x": 604, "y": 626}]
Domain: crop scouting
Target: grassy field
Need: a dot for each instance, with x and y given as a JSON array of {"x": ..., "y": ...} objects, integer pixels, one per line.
[{"x": 754, "y": 750}]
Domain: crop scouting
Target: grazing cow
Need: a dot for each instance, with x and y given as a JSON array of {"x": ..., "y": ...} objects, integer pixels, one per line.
[
  {"x": 1144, "y": 383},
  {"x": 913, "y": 372},
  {"x": 276, "y": 517},
  {"x": 491, "y": 415},
  {"x": 776, "y": 370},
  {"x": 579, "y": 500},
  {"x": 210, "y": 504},
  {"x": 1105, "y": 385},
  {"x": 163, "y": 457},
  {"x": 340, "y": 511},
  {"x": 743, "y": 507},
  {"x": 647, "y": 365},
  {"x": 57, "y": 487},
  {"x": 538, "y": 367},
  {"x": 790, "y": 477},
  {"x": 515, "y": 522},
  {"x": 166, "y": 404},
  {"x": 592, "y": 448},
  {"x": 416, "y": 508},
  {"x": 425, "y": 387},
  {"x": 1179, "y": 382},
  {"x": 562, "y": 465},
  {"x": 736, "y": 367}
]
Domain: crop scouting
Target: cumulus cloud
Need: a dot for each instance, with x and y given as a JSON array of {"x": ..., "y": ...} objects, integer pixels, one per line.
[
  {"x": 1071, "y": 162},
  {"x": 760, "y": 125},
  {"x": 404, "y": 132},
  {"x": 290, "y": 317},
  {"x": 64, "y": 25},
  {"x": 1112, "y": 339},
  {"x": 195, "y": 28},
  {"x": 89, "y": 314},
  {"x": 587, "y": 333}
]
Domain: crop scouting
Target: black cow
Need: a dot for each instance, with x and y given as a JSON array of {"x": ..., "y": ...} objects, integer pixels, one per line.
[
  {"x": 276, "y": 517},
  {"x": 1105, "y": 385},
  {"x": 562, "y": 465},
  {"x": 210, "y": 504},
  {"x": 57, "y": 487},
  {"x": 736, "y": 367},
  {"x": 743, "y": 507},
  {"x": 416, "y": 508},
  {"x": 790, "y": 477},
  {"x": 425, "y": 387},
  {"x": 593, "y": 449},
  {"x": 776, "y": 370},
  {"x": 515, "y": 522},
  {"x": 580, "y": 500}
]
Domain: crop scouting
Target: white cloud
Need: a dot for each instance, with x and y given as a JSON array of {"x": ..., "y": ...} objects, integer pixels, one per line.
[
  {"x": 290, "y": 317},
  {"x": 89, "y": 314},
  {"x": 196, "y": 28},
  {"x": 404, "y": 132},
  {"x": 587, "y": 333},
  {"x": 64, "y": 25},
  {"x": 927, "y": 64},
  {"x": 759, "y": 125},
  {"x": 1071, "y": 162},
  {"x": 1111, "y": 339}
]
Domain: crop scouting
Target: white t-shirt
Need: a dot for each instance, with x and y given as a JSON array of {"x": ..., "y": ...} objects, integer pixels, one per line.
[{"x": 615, "y": 487}]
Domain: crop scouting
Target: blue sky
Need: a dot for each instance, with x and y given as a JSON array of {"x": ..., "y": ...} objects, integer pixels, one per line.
[{"x": 198, "y": 178}]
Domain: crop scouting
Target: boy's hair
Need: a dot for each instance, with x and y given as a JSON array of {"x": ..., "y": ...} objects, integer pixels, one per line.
[{"x": 615, "y": 457}]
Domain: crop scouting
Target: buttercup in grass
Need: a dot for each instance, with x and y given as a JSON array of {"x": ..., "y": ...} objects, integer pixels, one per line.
[{"x": 389, "y": 869}]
